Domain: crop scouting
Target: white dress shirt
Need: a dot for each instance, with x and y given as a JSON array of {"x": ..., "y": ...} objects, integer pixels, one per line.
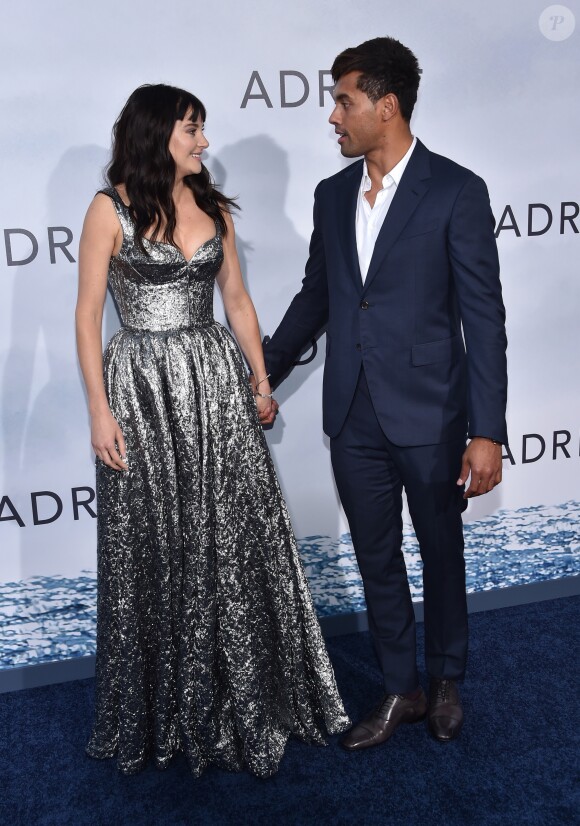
[{"x": 369, "y": 221}]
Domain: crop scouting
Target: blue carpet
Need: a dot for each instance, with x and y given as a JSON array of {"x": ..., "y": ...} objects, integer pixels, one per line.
[{"x": 514, "y": 763}]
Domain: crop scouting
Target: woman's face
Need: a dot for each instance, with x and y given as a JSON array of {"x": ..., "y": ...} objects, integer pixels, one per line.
[{"x": 186, "y": 145}]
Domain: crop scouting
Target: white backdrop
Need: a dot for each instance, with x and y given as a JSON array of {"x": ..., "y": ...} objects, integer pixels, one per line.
[{"x": 498, "y": 94}]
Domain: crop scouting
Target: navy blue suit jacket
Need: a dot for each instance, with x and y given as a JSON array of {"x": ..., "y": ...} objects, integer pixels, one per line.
[{"x": 428, "y": 322}]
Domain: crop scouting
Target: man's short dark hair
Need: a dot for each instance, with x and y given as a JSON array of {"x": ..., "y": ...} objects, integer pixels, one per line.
[{"x": 387, "y": 67}]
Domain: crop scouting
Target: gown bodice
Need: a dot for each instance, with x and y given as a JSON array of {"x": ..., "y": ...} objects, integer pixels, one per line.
[{"x": 159, "y": 290}]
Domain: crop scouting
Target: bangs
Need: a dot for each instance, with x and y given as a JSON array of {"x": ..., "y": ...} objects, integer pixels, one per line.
[{"x": 187, "y": 102}]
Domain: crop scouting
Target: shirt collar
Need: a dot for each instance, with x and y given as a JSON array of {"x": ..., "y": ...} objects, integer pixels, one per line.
[{"x": 394, "y": 176}]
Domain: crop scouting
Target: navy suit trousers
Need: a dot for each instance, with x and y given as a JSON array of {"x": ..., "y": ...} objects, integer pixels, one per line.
[{"x": 370, "y": 473}]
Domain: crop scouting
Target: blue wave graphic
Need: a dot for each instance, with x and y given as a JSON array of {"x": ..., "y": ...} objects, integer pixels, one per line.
[{"x": 44, "y": 619}]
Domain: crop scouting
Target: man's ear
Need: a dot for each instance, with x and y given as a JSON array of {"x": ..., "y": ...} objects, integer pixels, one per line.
[{"x": 389, "y": 106}]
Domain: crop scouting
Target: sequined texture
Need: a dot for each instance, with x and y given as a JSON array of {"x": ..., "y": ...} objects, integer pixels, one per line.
[{"x": 207, "y": 638}]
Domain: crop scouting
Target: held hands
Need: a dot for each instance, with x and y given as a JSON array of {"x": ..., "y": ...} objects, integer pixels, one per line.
[
  {"x": 107, "y": 440},
  {"x": 267, "y": 406},
  {"x": 483, "y": 458}
]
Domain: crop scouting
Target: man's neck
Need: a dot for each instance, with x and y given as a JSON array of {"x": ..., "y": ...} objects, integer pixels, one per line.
[{"x": 382, "y": 160}]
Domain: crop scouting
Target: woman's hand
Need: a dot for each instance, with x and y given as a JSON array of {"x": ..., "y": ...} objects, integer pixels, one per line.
[
  {"x": 267, "y": 407},
  {"x": 107, "y": 440}
]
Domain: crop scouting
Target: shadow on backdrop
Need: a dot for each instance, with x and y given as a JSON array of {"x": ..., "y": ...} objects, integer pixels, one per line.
[{"x": 44, "y": 417}]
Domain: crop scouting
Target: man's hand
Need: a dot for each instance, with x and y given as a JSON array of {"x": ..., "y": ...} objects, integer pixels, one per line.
[{"x": 483, "y": 459}]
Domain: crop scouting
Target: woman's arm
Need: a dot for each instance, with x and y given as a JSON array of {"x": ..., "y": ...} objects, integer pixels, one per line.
[
  {"x": 101, "y": 237},
  {"x": 243, "y": 320}
]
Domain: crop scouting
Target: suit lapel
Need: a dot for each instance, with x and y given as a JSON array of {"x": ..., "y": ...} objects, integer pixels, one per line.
[
  {"x": 413, "y": 185},
  {"x": 346, "y": 206}
]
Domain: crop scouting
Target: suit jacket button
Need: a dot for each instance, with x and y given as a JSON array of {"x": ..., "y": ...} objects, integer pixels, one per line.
[
  {"x": 364, "y": 305},
  {"x": 358, "y": 346}
]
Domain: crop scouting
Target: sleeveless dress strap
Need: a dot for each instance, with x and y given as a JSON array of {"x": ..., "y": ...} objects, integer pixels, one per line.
[{"x": 122, "y": 211}]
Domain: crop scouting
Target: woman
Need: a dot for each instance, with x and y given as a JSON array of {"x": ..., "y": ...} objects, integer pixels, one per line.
[{"x": 207, "y": 639}]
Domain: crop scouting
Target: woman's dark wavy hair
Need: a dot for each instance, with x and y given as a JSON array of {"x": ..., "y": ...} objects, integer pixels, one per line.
[
  {"x": 387, "y": 67},
  {"x": 142, "y": 162}
]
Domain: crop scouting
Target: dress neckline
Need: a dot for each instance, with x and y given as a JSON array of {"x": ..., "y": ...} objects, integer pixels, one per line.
[
  {"x": 179, "y": 250},
  {"x": 165, "y": 243}
]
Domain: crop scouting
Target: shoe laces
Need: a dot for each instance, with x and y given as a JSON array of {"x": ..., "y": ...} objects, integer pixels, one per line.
[
  {"x": 387, "y": 704},
  {"x": 443, "y": 690}
]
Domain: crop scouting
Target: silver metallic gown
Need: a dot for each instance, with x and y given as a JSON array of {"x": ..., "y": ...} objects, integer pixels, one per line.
[{"x": 207, "y": 639}]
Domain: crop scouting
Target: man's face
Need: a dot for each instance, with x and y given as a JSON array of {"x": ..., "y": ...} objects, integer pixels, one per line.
[{"x": 355, "y": 118}]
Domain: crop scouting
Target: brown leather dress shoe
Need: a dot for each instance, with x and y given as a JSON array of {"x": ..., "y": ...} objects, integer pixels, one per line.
[
  {"x": 445, "y": 712},
  {"x": 382, "y": 722}
]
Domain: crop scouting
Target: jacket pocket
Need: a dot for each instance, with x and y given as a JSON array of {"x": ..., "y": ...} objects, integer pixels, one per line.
[
  {"x": 434, "y": 351},
  {"x": 419, "y": 229}
]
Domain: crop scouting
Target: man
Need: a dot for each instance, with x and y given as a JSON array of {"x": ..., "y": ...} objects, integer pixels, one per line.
[{"x": 402, "y": 259}]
